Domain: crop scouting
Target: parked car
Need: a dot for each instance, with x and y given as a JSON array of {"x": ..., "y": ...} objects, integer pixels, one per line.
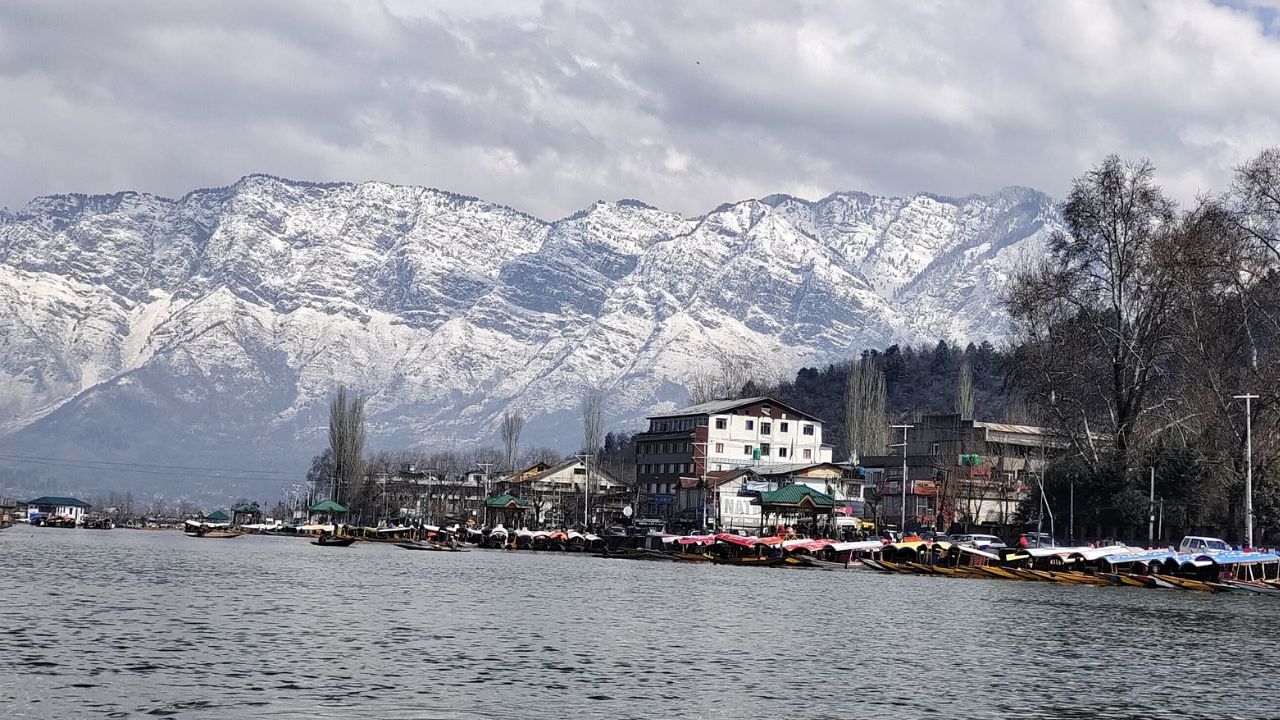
[
  {"x": 981, "y": 542},
  {"x": 931, "y": 536},
  {"x": 1199, "y": 544},
  {"x": 1036, "y": 540}
]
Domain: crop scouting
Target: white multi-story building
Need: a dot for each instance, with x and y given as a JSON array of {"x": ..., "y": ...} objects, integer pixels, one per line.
[{"x": 724, "y": 435}]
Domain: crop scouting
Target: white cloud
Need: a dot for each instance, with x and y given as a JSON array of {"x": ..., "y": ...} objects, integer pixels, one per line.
[{"x": 547, "y": 107}]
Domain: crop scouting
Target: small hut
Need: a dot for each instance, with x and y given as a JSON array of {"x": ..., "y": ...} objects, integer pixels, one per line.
[
  {"x": 327, "y": 512},
  {"x": 217, "y": 516},
  {"x": 507, "y": 510},
  {"x": 246, "y": 514},
  {"x": 795, "y": 501}
]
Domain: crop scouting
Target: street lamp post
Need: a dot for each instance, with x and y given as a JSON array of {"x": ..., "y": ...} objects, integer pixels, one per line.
[
  {"x": 1248, "y": 461},
  {"x": 903, "y": 527}
]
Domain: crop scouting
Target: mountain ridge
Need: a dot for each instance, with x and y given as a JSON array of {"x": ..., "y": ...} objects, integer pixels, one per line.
[{"x": 243, "y": 306}]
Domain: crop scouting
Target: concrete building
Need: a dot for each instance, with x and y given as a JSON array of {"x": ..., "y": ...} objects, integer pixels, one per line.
[
  {"x": 960, "y": 472},
  {"x": 47, "y": 508},
  {"x": 756, "y": 432},
  {"x": 729, "y": 496},
  {"x": 556, "y": 493}
]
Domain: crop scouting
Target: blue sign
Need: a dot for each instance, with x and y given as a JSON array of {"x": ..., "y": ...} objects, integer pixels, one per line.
[{"x": 660, "y": 499}]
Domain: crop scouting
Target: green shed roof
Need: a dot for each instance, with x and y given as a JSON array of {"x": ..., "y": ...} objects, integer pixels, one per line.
[
  {"x": 218, "y": 516},
  {"x": 58, "y": 500},
  {"x": 327, "y": 506},
  {"x": 245, "y": 507},
  {"x": 797, "y": 495},
  {"x": 507, "y": 501}
]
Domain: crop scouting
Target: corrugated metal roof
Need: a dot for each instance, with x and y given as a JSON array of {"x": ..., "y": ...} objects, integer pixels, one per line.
[
  {"x": 1009, "y": 428},
  {"x": 796, "y": 494},
  {"x": 712, "y": 407},
  {"x": 715, "y": 407},
  {"x": 58, "y": 500},
  {"x": 786, "y": 468}
]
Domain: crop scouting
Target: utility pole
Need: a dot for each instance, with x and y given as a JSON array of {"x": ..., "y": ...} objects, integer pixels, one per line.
[
  {"x": 1248, "y": 461},
  {"x": 902, "y": 529},
  {"x": 485, "y": 466},
  {"x": 1160, "y": 527},
  {"x": 586, "y": 489},
  {"x": 1151, "y": 510},
  {"x": 1071, "y": 511}
]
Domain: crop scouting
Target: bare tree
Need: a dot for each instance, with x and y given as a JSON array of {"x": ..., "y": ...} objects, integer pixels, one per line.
[
  {"x": 512, "y": 425},
  {"x": 866, "y": 424},
  {"x": 964, "y": 391},
  {"x": 1256, "y": 191},
  {"x": 727, "y": 379},
  {"x": 592, "y": 407},
  {"x": 346, "y": 441},
  {"x": 541, "y": 454},
  {"x": 1094, "y": 318}
]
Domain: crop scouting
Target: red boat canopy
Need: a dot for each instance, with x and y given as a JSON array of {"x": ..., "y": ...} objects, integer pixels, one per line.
[{"x": 739, "y": 540}]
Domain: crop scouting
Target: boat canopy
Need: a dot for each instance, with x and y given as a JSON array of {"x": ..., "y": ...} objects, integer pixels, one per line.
[
  {"x": 1142, "y": 556},
  {"x": 976, "y": 551},
  {"x": 691, "y": 539},
  {"x": 1236, "y": 557},
  {"x": 856, "y": 546},
  {"x": 739, "y": 540},
  {"x": 1089, "y": 554}
]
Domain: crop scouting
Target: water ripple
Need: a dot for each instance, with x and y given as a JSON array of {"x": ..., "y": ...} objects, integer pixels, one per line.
[{"x": 147, "y": 624}]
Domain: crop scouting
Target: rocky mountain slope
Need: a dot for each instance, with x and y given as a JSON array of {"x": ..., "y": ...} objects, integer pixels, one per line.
[{"x": 211, "y": 329}]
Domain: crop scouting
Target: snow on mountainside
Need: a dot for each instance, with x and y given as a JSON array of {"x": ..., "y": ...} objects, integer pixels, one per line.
[{"x": 212, "y": 328}]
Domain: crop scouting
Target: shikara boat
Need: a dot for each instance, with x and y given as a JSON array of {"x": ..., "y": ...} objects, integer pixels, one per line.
[
  {"x": 430, "y": 547},
  {"x": 691, "y": 557},
  {"x": 216, "y": 534},
  {"x": 328, "y": 541},
  {"x": 751, "y": 561}
]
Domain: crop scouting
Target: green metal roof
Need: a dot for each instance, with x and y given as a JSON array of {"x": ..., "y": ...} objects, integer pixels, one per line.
[
  {"x": 218, "y": 516},
  {"x": 327, "y": 506},
  {"x": 56, "y": 500},
  {"x": 503, "y": 501},
  {"x": 800, "y": 495},
  {"x": 245, "y": 507}
]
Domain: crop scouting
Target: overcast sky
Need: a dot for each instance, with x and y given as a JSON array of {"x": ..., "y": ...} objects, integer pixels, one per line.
[{"x": 549, "y": 106}]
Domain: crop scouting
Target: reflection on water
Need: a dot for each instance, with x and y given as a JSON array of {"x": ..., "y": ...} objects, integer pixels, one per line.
[{"x": 126, "y": 623}]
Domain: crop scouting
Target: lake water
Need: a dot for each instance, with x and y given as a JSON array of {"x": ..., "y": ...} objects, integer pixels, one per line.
[{"x": 127, "y": 623}]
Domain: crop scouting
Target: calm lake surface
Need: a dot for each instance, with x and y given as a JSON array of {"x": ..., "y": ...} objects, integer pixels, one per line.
[{"x": 125, "y": 623}]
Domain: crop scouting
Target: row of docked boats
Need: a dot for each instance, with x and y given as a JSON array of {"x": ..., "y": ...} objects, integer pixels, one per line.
[
  {"x": 1261, "y": 584},
  {"x": 1229, "y": 571}
]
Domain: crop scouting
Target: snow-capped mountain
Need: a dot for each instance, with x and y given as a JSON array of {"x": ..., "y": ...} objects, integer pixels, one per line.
[{"x": 211, "y": 329}]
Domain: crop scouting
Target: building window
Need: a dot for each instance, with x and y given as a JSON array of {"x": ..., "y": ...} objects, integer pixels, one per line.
[
  {"x": 782, "y": 427},
  {"x": 722, "y": 423},
  {"x": 808, "y": 429},
  {"x": 764, "y": 449},
  {"x": 935, "y": 449},
  {"x": 766, "y": 428},
  {"x": 808, "y": 454},
  {"x": 719, "y": 447},
  {"x": 746, "y": 449},
  {"x": 782, "y": 452},
  {"x": 751, "y": 424}
]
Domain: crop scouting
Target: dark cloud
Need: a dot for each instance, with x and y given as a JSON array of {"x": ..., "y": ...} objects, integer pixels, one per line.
[{"x": 549, "y": 106}]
